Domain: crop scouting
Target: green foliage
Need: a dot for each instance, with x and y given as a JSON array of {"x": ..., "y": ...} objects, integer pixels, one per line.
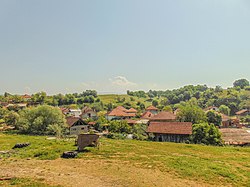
[
  {"x": 191, "y": 113},
  {"x": 214, "y": 118},
  {"x": 204, "y": 133},
  {"x": 11, "y": 118},
  {"x": 119, "y": 127},
  {"x": 155, "y": 103},
  {"x": 224, "y": 109},
  {"x": 241, "y": 83},
  {"x": 139, "y": 132},
  {"x": 41, "y": 120}
]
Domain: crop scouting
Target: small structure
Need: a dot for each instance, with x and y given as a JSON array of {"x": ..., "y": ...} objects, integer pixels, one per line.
[
  {"x": 152, "y": 109},
  {"x": 77, "y": 125},
  {"x": 119, "y": 113},
  {"x": 75, "y": 112},
  {"x": 88, "y": 112},
  {"x": 243, "y": 113},
  {"x": 26, "y": 97},
  {"x": 170, "y": 131},
  {"x": 163, "y": 116},
  {"x": 226, "y": 121},
  {"x": 85, "y": 140},
  {"x": 234, "y": 136}
]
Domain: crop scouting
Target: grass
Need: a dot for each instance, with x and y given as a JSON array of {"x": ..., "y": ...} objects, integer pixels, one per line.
[
  {"x": 112, "y": 98},
  {"x": 214, "y": 165}
]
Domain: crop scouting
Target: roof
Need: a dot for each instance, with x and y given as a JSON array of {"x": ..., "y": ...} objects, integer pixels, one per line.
[
  {"x": 164, "y": 115},
  {"x": 151, "y": 108},
  {"x": 91, "y": 123},
  {"x": 26, "y": 96},
  {"x": 170, "y": 127},
  {"x": 234, "y": 135},
  {"x": 72, "y": 120},
  {"x": 147, "y": 115},
  {"x": 17, "y": 104},
  {"x": 87, "y": 109},
  {"x": 120, "y": 111},
  {"x": 241, "y": 112},
  {"x": 131, "y": 121},
  {"x": 132, "y": 110}
]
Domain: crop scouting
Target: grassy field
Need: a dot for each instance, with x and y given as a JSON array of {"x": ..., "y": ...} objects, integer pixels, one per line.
[
  {"x": 112, "y": 98},
  {"x": 208, "y": 165}
]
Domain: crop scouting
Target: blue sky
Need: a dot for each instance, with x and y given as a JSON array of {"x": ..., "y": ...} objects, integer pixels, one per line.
[{"x": 112, "y": 45}]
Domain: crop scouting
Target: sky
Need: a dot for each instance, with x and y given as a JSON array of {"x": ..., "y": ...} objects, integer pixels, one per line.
[{"x": 112, "y": 46}]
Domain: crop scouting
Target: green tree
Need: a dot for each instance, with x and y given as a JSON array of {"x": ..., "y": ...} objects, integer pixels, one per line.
[
  {"x": 213, "y": 118},
  {"x": 224, "y": 109},
  {"x": 206, "y": 134},
  {"x": 191, "y": 113},
  {"x": 11, "y": 118},
  {"x": 241, "y": 83},
  {"x": 119, "y": 127},
  {"x": 41, "y": 120}
]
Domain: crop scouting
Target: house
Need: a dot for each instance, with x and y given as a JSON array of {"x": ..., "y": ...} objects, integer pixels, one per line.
[
  {"x": 77, "y": 125},
  {"x": 65, "y": 111},
  {"x": 19, "y": 105},
  {"x": 88, "y": 112},
  {"x": 74, "y": 112},
  {"x": 26, "y": 97},
  {"x": 132, "y": 110},
  {"x": 170, "y": 131},
  {"x": 145, "y": 117},
  {"x": 152, "y": 109},
  {"x": 233, "y": 136},
  {"x": 119, "y": 113},
  {"x": 226, "y": 121},
  {"x": 243, "y": 113},
  {"x": 163, "y": 116}
]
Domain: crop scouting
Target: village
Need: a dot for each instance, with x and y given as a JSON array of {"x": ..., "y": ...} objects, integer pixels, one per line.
[{"x": 160, "y": 125}]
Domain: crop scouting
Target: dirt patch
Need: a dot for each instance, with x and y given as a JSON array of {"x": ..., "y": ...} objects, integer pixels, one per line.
[{"x": 91, "y": 173}]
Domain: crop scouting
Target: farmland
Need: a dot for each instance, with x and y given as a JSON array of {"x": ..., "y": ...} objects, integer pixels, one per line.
[{"x": 122, "y": 163}]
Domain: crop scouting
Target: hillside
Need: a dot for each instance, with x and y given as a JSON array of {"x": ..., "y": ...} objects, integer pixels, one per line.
[{"x": 125, "y": 163}]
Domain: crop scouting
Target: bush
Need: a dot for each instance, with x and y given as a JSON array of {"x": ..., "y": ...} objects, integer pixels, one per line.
[
  {"x": 42, "y": 120},
  {"x": 204, "y": 133}
]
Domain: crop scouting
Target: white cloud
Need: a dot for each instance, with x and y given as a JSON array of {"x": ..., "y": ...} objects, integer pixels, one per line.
[{"x": 122, "y": 81}]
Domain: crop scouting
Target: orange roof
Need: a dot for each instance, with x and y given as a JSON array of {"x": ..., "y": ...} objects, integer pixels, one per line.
[
  {"x": 170, "y": 127},
  {"x": 151, "y": 108},
  {"x": 132, "y": 110},
  {"x": 164, "y": 115},
  {"x": 26, "y": 96},
  {"x": 120, "y": 111},
  {"x": 147, "y": 115},
  {"x": 241, "y": 112}
]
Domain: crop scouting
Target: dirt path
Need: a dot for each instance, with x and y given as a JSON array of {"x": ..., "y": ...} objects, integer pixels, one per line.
[{"x": 90, "y": 173}]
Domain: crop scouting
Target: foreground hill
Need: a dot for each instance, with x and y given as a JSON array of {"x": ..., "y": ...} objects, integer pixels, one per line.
[{"x": 123, "y": 163}]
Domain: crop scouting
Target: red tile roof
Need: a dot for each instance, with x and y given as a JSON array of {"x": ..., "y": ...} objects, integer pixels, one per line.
[
  {"x": 26, "y": 96},
  {"x": 170, "y": 127},
  {"x": 132, "y": 110},
  {"x": 147, "y": 115},
  {"x": 164, "y": 115},
  {"x": 151, "y": 108},
  {"x": 121, "y": 112}
]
